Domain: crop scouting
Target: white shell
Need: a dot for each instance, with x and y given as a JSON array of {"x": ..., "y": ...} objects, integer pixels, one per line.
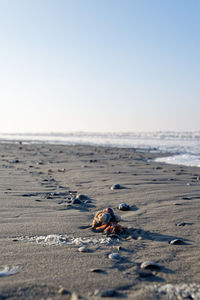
[
  {"x": 115, "y": 256},
  {"x": 149, "y": 265}
]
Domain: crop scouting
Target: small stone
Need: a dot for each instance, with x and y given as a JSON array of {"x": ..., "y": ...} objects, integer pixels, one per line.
[
  {"x": 116, "y": 247},
  {"x": 181, "y": 224},
  {"x": 97, "y": 270},
  {"x": 81, "y": 197},
  {"x": 185, "y": 198},
  {"x": 83, "y": 249},
  {"x": 123, "y": 206},
  {"x": 115, "y": 187},
  {"x": 61, "y": 170},
  {"x": 114, "y": 256},
  {"x": 176, "y": 242},
  {"x": 63, "y": 291},
  {"x": 76, "y": 201},
  {"x": 74, "y": 296},
  {"x": 105, "y": 293},
  {"x": 15, "y": 161},
  {"x": 149, "y": 265}
]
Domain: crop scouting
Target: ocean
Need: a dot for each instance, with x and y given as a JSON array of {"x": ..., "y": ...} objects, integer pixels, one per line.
[{"x": 185, "y": 146}]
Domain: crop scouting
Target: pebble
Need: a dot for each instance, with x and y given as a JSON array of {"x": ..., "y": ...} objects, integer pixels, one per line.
[
  {"x": 105, "y": 293},
  {"x": 63, "y": 291},
  {"x": 149, "y": 265},
  {"x": 123, "y": 206},
  {"x": 76, "y": 201},
  {"x": 74, "y": 296},
  {"x": 176, "y": 242},
  {"x": 116, "y": 247},
  {"x": 115, "y": 187},
  {"x": 81, "y": 197},
  {"x": 83, "y": 249},
  {"x": 115, "y": 256},
  {"x": 96, "y": 270},
  {"x": 185, "y": 198},
  {"x": 181, "y": 224},
  {"x": 61, "y": 170},
  {"x": 15, "y": 161},
  {"x": 15, "y": 240}
]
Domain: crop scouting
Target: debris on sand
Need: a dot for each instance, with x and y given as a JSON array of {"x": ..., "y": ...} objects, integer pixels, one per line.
[{"x": 9, "y": 271}]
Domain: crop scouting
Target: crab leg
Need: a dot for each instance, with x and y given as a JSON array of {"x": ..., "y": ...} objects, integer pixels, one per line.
[{"x": 102, "y": 227}]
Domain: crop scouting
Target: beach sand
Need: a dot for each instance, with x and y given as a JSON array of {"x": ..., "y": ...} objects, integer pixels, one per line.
[{"x": 35, "y": 184}]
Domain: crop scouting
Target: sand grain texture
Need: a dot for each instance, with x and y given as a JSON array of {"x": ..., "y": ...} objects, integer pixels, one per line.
[{"x": 36, "y": 182}]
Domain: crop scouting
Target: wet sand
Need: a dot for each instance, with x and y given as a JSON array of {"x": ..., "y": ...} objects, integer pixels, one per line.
[{"x": 36, "y": 182}]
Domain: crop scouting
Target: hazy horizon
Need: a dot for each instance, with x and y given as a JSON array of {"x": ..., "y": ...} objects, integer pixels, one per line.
[{"x": 109, "y": 66}]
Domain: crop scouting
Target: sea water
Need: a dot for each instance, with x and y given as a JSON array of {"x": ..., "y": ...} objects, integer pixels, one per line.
[{"x": 185, "y": 146}]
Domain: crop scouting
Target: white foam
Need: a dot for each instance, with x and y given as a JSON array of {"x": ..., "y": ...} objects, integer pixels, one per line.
[
  {"x": 183, "y": 143},
  {"x": 182, "y": 159},
  {"x": 59, "y": 240}
]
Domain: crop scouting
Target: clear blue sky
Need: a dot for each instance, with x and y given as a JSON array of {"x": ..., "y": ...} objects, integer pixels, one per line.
[{"x": 109, "y": 65}]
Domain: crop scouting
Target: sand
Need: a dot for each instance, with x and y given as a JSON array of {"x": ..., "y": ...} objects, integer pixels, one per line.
[{"x": 35, "y": 182}]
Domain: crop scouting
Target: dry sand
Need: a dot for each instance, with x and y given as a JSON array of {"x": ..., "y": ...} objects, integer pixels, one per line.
[{"x": 35, "y": 182}]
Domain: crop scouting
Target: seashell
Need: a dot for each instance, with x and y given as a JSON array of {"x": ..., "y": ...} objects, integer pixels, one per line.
[
  {"x": 123, "y": 206},
  {"x": 149, "y": 265},
  {"x": 115, "y": 187},
  {"x": 105, "y": 218},
  {"x": 115, "y": 256},
  {"x": 83, "y": 249}
]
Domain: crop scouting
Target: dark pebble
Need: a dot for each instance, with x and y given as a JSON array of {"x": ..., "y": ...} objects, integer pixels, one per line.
[
  {"x": 181, "y": 224},
  {"x": 115, "y": 187},
  {"x": 176, "y": 242},
  {"x": 106, "y": 293},
  {"x": 97, "y": 270}
]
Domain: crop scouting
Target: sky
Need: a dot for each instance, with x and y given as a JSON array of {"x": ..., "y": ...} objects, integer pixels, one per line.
[{"x": 109, "y": 65}]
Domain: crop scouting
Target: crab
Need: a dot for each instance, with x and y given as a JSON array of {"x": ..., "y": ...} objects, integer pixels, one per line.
[{"x": 107, "y": 221}]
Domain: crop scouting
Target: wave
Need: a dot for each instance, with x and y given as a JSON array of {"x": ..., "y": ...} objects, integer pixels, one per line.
[{"x": 184, "y": 145}]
